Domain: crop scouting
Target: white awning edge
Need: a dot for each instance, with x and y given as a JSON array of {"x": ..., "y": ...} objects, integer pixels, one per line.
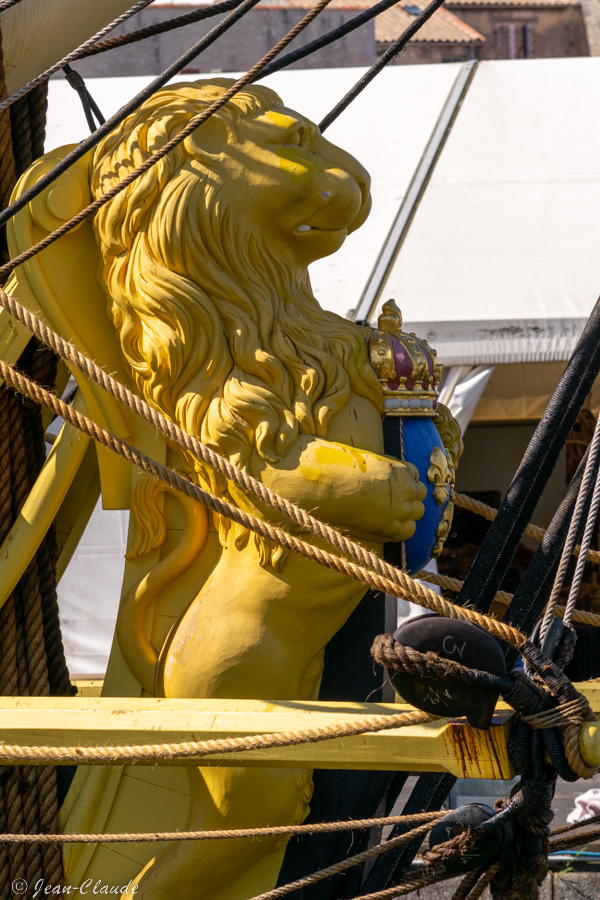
[{"x": 491, "y": 343}]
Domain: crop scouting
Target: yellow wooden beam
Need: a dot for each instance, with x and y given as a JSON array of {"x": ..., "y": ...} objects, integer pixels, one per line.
[{"x": 88, "y": 720}]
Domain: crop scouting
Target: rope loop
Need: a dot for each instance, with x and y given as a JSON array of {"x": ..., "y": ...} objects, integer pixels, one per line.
[{"x": 548, "y": 702}]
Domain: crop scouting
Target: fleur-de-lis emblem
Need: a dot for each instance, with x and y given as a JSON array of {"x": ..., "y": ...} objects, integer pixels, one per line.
[{"x": 440, "y": 474}]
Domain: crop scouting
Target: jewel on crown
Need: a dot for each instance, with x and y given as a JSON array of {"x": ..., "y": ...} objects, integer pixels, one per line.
[{"x": 406, "y": 365}]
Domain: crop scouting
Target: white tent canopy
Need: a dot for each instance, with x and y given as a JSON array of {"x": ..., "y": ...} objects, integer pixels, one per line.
[{"x": 500, "y": 264}]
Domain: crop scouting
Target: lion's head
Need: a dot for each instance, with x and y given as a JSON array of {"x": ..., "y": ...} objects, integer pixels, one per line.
[{"x": 205, "y": 263}]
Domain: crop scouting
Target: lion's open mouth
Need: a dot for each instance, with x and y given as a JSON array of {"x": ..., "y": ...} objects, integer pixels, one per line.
[{"x": 302, "y": 229}]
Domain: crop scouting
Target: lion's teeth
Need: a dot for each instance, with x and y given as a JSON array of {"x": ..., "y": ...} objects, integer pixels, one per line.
[{"x": 304, "y": 228}]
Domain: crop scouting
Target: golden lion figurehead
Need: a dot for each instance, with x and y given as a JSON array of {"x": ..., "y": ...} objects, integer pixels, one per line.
[{"x": 205, "y": 261}]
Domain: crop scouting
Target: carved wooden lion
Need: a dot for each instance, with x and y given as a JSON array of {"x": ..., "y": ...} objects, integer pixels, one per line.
[{"x": 204, "y": 262}]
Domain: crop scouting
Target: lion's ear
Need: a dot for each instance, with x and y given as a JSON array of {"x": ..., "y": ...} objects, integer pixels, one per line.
[{"x": 208, "y": 140}]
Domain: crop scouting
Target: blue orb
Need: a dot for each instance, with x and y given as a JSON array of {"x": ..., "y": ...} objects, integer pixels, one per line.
[{"x": 420, "y": 438}]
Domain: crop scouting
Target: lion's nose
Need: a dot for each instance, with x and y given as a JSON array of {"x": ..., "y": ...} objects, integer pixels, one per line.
[
  {"x": 361, "y": 176},
  {"x": 363, "y": 180},
  {"x": 344, "y": 160}
]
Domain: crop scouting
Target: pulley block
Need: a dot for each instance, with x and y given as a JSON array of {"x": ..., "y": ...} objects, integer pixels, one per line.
[
  {"x": 461, "y": 642},
  {"x": 497, "y": 846}
]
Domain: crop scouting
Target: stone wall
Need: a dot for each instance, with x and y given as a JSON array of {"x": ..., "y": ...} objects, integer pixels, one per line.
[
  {"x": 421, "y": 52},
  {"x": 591, "y": 15},
  {"x": 238, "y": 49},
  {"x": 554, "y": 31}
]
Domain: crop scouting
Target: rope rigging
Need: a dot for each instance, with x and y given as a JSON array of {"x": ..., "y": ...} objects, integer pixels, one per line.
[
  {"x": 331, "y": 36},
  {"x": 113, "y": 121},
  {"x": 498, "y": 547},
  {"x": 141, "y": 34},
  {"x": 40, "y": 79},
  {"x": 392, "y": 51},
  {"x": 238, "y": 10},
  {"x": 569, "y": 712},
  {"x": 590, "y": 483},
  {"x": 390, "y": 580},
  {"x": 546, "y": 701}
]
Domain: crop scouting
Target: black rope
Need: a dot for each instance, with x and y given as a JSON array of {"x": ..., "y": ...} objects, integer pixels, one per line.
[
  {"x": 90, "y": 107},
  {"x": 501, "y": 541},
  {"x": 331, "y": 36},
  {"x": 533, "y": 592},
  {"x": 392, "y": 51},
  {"x": 126, "y": 110},
  {"x": 141, "y": 34}
]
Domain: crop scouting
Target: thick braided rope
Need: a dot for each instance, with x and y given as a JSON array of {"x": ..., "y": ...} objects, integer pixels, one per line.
[
  {"x": 238, "y": 476},
  {"x": 222, "y": 834},
  {"x": 392, "y": 654},
  {"x": 572, "y": 712},
  {"x": 348, "y": 863},
  {"x": 11, "y": 818},
  {"x": 189, "y": 442},
  {"x": 159, "y": 154},
  {"x": 575, "y": 840},
  {"x": 477, "y": 886},
  {"x": 567, "y": 715},
  {"x": 533, "y": 531},
  {"x": 575, "y": 826},
  {"x": 455, "y": 584},
  {"x": 463, "y": 891},
  {"x": 38, "y": 786},
  {"x": 588, "y": 482},
  {"x": 393, "y": 582},
  {"x": 11, "y": 861},
  {"x": 75, "y": 54},
  {"x": 28, "y": 797},
  {"x": 586, "y": 540},
  {"x": 573, "y": 753},
  {"x": 427, "y": 876},
  {"x": 211, "y": 747}
]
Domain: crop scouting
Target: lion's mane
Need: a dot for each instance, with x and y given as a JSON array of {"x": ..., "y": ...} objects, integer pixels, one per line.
[{"x": 218, "y": 335}]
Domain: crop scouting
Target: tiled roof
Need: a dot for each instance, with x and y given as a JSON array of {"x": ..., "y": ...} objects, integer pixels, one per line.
[
  {"x": 443, "y": 26},
  {"x": 508, "y": 3}
]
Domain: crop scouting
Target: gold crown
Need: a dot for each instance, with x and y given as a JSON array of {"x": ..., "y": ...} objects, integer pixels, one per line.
[{"x": 406, "y": 365}]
